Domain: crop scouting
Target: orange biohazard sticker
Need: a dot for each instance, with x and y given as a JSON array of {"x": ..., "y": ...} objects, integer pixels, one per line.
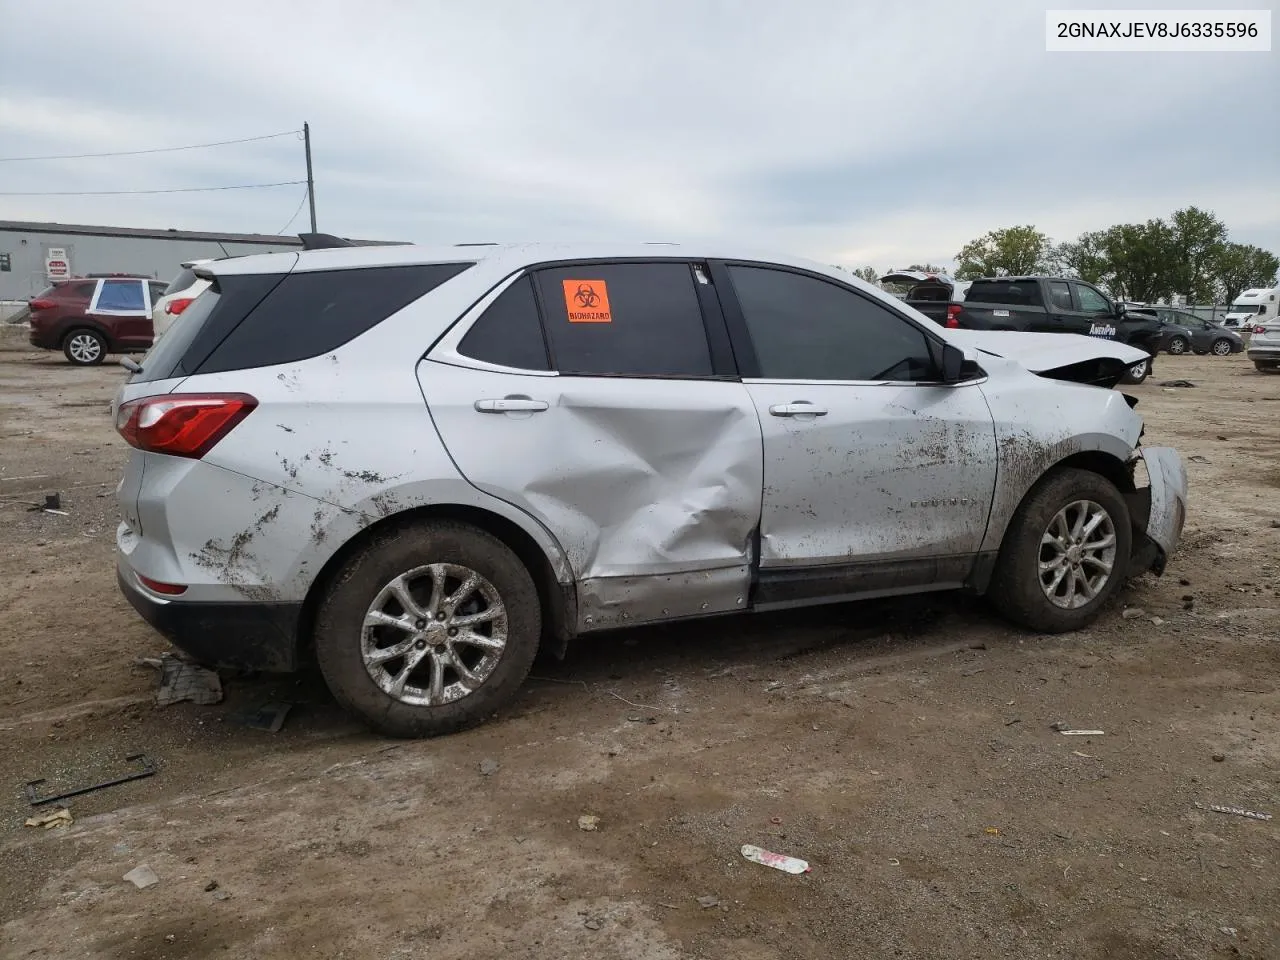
[{"x": 587, "y": 301}]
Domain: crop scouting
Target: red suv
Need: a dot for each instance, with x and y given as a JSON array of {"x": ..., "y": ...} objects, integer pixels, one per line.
[{"x": 88, "y": 317}]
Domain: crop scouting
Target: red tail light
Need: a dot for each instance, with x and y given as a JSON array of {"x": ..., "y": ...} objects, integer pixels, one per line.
[
  {"x": 1259, "y": 329},
  {"x": 182, "y": 425},
  {"x": 176, "y": 307},
  {"x": 953, "y": 316},
  {"x": 156, "y": 586},
  {"x": 42, "y": 304}
]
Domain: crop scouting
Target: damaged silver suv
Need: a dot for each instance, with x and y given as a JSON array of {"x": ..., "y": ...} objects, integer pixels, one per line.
[{"x": 420, "y": 466}]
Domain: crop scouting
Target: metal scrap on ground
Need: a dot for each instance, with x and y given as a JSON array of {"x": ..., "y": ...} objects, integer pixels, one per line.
[
  {"x": 1234, "y": 811},
  {"x": 55, "y": 818},
  {"x": 776, "y": 860},
  {"x": 183, "y": 680}
]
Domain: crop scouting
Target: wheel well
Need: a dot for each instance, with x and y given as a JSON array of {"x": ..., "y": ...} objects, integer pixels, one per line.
[
  {"x": 79, "y": 325},
  {"x": 1113, "y": 468},
  {"x": 558, "y": 602}
]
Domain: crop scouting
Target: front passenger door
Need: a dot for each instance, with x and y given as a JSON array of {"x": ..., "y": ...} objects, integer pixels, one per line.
[
  {"x": 877, "y": 478},
  {"x": 1096, "y": 315}
]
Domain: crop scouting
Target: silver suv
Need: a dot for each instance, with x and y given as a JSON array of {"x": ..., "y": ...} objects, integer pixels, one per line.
[{"x": 420, "y": 466}]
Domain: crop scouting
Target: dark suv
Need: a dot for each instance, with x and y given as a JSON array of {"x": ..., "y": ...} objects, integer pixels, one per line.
[{"x": 88, "y": 317}]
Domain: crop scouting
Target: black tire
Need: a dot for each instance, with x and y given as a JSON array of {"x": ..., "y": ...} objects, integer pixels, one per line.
[
  {"x": 1138, "y": 372},
  {"x": 339, "y": 632},
  {"x": 84, "y": 347},
  {"x": 1178, "y": 345},
  {"x": 1265, "y": 366},
  {"x": 1220, "y": 347},
  {"x": 1016, "y": 590}
]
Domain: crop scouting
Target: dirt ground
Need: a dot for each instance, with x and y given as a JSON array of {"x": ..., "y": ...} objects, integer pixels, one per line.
[{"x": 905, "y": 749}]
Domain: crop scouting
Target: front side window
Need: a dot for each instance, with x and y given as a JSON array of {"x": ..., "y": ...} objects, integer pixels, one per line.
[
  {"x": 804, "y": 328},
  {"x": 625, "y": 319},
  {"x": 1091, "y": 301}
]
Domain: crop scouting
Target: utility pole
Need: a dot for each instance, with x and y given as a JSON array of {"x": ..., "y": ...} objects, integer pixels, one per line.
[{"x": 311, "y": 180}]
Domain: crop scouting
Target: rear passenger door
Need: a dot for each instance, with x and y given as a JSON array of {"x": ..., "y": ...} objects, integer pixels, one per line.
[{"x": 601, "y": 398}]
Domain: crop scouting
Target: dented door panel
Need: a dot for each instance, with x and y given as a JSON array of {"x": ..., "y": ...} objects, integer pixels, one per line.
[
  {"x": 641, "y": 481},
  {"x": 888, "y": 472}
]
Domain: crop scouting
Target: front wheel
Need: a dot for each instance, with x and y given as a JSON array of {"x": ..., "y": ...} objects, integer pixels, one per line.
[
  {"x": 428, "y": 628},
  {"x": 84, "y": 347},
  {"x": 1178, "y": 345},
  {"x": 1221, "y": 347},
  {"x": 1138, "y": 372},
  {"x": 1065, "y": 553}
]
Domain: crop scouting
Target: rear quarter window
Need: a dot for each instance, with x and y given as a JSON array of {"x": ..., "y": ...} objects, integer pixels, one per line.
[
  {"x": 310, "y": 313},
  {"x": 1025, "y": 293},
  {"x": 183, "y": 280}
]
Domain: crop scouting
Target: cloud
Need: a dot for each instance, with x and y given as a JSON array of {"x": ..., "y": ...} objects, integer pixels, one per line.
[{"x": 851, "y": 133}]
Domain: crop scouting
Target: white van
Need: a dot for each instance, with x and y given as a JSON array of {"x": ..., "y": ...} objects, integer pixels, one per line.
[{"x": 1253, "y": 307}]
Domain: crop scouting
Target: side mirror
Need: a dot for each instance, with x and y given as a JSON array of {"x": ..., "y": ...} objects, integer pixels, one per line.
[
  {"x": 1121, "y": 309},
  {"x": 952, "y": 363}
]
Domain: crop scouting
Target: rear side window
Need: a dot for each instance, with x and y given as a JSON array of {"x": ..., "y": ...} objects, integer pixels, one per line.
[
  {"x": 1024, "y": 293},
  {"x": 1060, "y": 294},
  {"x": 509, "y": 333},
  {"x": 625, "y": 319},
  {"x": 119, "y": 297},
  {"x": 311, "y": 313}
]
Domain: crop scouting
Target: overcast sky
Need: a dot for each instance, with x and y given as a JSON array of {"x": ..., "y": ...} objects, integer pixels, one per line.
[{"x": 853, "y": 132}]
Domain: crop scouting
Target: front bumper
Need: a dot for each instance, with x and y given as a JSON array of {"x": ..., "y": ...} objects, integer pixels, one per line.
[
  {"x": 1164, "y": 503},
  {"x": 246, "y": 635}
]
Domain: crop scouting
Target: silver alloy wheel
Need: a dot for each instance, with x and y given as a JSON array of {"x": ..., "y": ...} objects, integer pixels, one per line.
[
  {"x": 1221, "y": 348},
  {"x": 1077, "y": 554},
  {"x": 433, "y": 635},
  {"x": 85, "y": 347},
  {"x": 1138, "y": 370},
  {"x": 1177, "y": 346}
]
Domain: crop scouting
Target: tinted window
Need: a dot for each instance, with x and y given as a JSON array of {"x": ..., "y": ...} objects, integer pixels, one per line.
[
  {"x": 1091, "y": 301},
  {"x": 1017, "y": 293},
  {"x": 509, "y": 332},
  {"x": 157, "y": 291},
  {"x": 626, "y": 319},
  {"x": 183, "y": 280},
  {"x": 804, "y": 328},
  {"x": 311, "y": 313},
  {"x": 121, "y": 296},
  {"x": 1060, "y": 294}
]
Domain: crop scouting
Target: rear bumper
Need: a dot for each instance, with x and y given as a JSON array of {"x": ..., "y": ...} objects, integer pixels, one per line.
[
  {"x": 44, "y": 339},
  {"x": 230, "y": 635},
  {"x": 1263, "y": 351}
]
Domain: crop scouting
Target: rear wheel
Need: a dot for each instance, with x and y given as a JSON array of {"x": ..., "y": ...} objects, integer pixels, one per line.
[
  {"x": 428, "y": 628},
  {"x": 1178, "y": 345},
  {"x": 1221, "y": 347},
  {"x": 84, "y": 347},
  {"x": 1064, "y": 554}
]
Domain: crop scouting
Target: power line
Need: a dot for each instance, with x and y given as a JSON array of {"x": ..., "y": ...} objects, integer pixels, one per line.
[
  {"x": 305, "y": 193},
  {"x": 134, "y": 153},
  {"x": 120, "y": 193}
]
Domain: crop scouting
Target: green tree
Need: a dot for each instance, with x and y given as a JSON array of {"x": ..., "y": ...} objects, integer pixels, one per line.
[
  {"x": 1237, "y": 266},
  {"x": 869, "y": 274},
  {"x": 1011, "y": 252},
  {"x": 1088, "y": 259},
  {"x": 926, "y": 268},
  {"x": 1195, "y": 242}
]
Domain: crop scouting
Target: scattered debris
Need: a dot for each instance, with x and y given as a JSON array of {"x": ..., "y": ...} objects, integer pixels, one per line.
[
  {"x": 588, "y": 822},
  {"x": 1068, "y": 731},
  {"x": 211, "y": 886},
  {"x": 706, "y": 903},
  {"x": 1275, "y": 524},
  {"x": 1176, "y": 383},
  {"x": 1234, "y": 811},
  {"x": 1197, "y": 458},
  {"x": 52, "y": 504},
  {"x": 895, "y": 862},
  {"x": 776, "y": 860},
  {"x": 148, "y": 769},
  {"x": 1157, "y": 622},
  {"x": 770, "y": 687},
  {"x": 1086, "y": 756},
  {"x": 1219, "y": 757},
  {"x": 56, "y": 818},
  {"x": 489, "y": 767},
  {"x": 776, "y": 821},
  {"x": 268, "y": 716},
  {"x": 1221, "y": 437},
  {"x": 222, "y": 895},
  {"x": 992, "y": 831},
  {"x": 1229, "y": 931},
  {"x": 593, "y": 923},
  {"x": 142, "y": 876},
  {"x": 1133, "y": 613},
  {"x": 182, "y": 679}
]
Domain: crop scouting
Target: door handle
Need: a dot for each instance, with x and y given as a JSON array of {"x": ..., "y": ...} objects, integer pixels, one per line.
[
  {"x": 798, "y": 408},
  {"x": 510, "y": 404}
]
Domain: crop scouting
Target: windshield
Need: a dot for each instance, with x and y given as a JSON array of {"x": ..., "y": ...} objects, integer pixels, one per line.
[{"x": 1243, "y": 308}]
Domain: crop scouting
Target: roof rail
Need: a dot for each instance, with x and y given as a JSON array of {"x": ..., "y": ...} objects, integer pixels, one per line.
[{"x": 479, "y": 243}]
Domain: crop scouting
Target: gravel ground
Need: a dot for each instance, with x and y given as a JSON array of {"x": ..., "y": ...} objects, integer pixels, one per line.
[{"x": 905, "y": 749}]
